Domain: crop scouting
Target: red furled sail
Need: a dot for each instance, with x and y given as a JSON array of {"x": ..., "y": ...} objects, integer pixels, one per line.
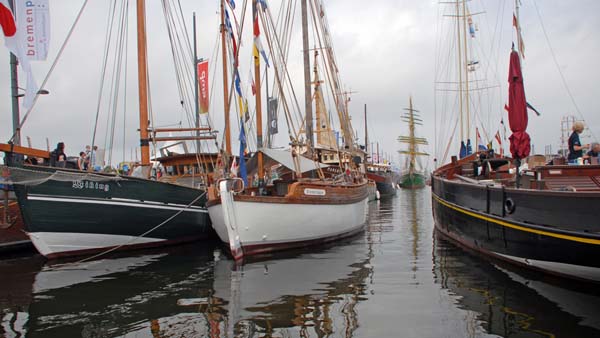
[{"x": 517, "y": 109}]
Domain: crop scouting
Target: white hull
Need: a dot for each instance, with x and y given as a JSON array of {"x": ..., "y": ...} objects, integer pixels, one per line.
[
  {"x": 52, "y": 243},
  {"x": 261, "y": 227}
]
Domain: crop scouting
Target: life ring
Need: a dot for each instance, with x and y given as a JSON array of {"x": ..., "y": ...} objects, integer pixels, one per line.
[{"x": 509, "y": 206}]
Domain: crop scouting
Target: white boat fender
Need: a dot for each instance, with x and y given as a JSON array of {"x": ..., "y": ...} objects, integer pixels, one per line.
[{"x": 377, "y": 195}]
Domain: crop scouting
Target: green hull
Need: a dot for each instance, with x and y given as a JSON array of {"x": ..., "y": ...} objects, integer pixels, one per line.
[{"x": 412, "y": 181}]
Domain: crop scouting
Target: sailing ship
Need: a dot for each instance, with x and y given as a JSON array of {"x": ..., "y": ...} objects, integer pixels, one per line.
[
  {"x": 295, "y": 210},
  {"x": 72, "y": 212},
  {"x": 379, "y": 173},
  {"x": 543, "y": 217},
  {"x": 412, "y": 177}
]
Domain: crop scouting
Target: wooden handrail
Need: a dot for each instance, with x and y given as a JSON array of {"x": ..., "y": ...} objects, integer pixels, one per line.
[{"x": 31, "y": 152}]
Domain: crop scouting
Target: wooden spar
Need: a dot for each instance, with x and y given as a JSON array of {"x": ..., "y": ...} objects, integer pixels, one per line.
[
  {"x": 225, "y": 82},
  {"x": 198, "y": 137},
  {"x": 31, "y": 152},
  {"x": 143, "y": 82},
  {"x": 259, "y": 136},
  {"x": 307, "y": 91},
  {"x": 168, "y": 130}
]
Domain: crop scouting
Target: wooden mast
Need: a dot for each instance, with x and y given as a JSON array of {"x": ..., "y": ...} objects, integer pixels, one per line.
[
  {"x": 143, "y": 82},
  {"x": 307, "y": 92},
  {"x": 259, "y": 134},
  {"x": 225, "y": 83}
]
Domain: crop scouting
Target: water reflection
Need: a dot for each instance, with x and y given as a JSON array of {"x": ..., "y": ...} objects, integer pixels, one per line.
[
  {"x": 108, "y": 297},
  {"x": 512, "y": 302},
  {"x": 188, "y": 292},
  {"x": 299, "y": 295},
  {"x": 395, "y": 279}
]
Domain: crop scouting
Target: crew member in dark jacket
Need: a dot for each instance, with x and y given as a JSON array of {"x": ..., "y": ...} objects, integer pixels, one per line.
[{"x": 58, "y": 158}]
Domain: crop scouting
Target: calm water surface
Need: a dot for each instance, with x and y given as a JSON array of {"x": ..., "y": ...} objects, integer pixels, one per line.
[{"x": 397, "y": 279}]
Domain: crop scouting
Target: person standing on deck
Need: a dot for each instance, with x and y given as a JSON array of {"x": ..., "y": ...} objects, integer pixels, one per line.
[
  {"x": 58, "y": 158},
  {"x": 81, "y": 165},
  {"x": 575, "y": 147}
]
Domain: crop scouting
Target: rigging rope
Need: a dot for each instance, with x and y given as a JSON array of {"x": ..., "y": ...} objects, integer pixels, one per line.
[
  {"x": 142, "y": 235},
  {"x": 61, "y": 50},
  {"x": 562, "y": 76}
]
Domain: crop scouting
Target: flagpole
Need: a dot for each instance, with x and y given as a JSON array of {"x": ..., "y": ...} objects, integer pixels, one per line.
[
  {"x": 259, "y": 135},
  {"x": 14, "y": 91},
  {"x": 196, "y": 97}
]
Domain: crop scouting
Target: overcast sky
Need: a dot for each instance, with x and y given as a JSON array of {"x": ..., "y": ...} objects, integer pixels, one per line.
[{"x": 386, "y": 51}]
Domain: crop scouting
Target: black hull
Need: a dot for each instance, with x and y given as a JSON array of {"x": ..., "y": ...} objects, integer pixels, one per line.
[
  {"x": 556, "y": 232},
  {"x": 385, "y": 181},
  {"x": 107, "y": 209},
  {"x": 386, "y": 189}
]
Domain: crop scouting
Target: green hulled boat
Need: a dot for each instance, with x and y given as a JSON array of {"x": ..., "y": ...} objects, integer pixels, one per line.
[{"x": 412, "y": 177}]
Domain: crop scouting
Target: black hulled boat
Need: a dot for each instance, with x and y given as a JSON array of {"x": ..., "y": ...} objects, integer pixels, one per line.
[
  {"x": 539, "y": 216},
  {"x": 72, "y": 212}
]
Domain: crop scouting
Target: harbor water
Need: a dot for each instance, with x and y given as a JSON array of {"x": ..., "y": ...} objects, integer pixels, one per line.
[{"x": 395, "y": 279}]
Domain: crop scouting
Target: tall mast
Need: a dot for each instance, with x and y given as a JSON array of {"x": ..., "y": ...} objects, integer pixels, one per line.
[
  {"x": 466, "y": 69},
  {"x": 259, "y": 135},
  {"x": 307, "y": 92},
  {"x": 411, "y": 133},
  {"x": 14, "y": 91},
  {"x": 459, "y": 70},
  {"x": 225, "y": 81},
  {"x": 143, "y": 82}
]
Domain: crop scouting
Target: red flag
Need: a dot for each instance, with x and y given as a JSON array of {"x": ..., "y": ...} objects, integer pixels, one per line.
[
  {"x": 499, "y": 139},
  {"x": 7, "y": 20},
  {"x": 203, "y": 86},
  {"x": 234, "y": 167},
  {"x": 13, "y": 41}
]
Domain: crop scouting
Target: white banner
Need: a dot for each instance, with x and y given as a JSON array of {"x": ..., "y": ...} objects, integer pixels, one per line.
[{"x": 33, "y": 21}]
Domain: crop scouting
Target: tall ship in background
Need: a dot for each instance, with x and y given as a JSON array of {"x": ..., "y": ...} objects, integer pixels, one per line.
[
  {"x": 382, "y": 173},
  {"x": 539, "y": 216},
  {"x": 413, "y": 175}
]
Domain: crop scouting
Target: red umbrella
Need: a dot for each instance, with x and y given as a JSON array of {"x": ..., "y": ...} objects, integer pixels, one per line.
[{"x": 517, "y": 109}]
